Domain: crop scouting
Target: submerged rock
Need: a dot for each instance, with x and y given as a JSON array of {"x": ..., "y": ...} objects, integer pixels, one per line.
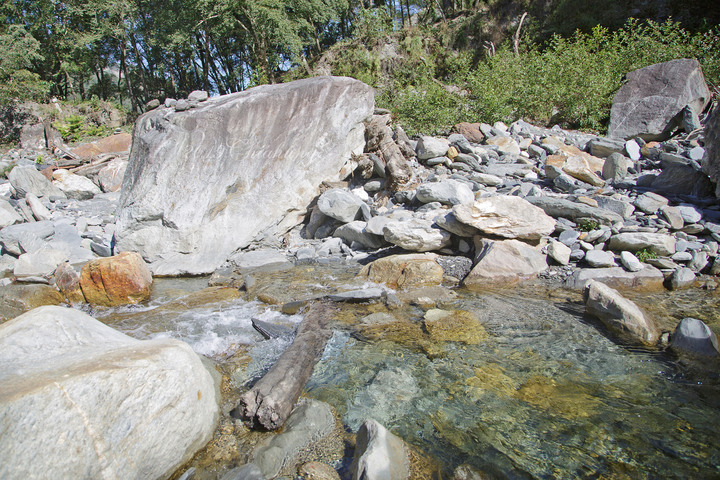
[
  {"x": 84, "y": 400},
  {"x": 619, "y": 314},
  {"x": 404, "y": 271}
]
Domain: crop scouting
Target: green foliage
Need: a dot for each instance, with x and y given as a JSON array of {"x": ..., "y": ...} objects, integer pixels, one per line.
[
  {"x": 40, "y": 159},
  {"x": 76, "y": 127},
  {"x": 645, "y": 254},
  {"x": 588, "y": 225},
  {"x": 18, "y": 50}
]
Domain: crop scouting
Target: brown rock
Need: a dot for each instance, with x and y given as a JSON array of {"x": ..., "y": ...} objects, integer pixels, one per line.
[
  {"x": 16, "y": 299},
  {"x": 68, "y": 281},
  {"x": 118, "y": 280},
  {"x": 86, "y": 150},
  {"x": 471, "y": 131},
  {"x": 115, "y": 143},
  {"x": 404, "y": 271}
]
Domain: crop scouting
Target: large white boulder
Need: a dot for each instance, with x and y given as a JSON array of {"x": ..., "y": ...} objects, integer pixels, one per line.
[
  {"x": 203, "y": 183},
  {"x": 81, "y": 400},
  {"x": 506, "y": 216}
]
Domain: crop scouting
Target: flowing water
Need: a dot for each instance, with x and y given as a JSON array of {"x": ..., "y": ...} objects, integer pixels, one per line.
[{"x": 538, "y": 391}]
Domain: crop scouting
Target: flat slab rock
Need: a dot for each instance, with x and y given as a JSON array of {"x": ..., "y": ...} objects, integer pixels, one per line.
[{"x": 203, "y": 183}]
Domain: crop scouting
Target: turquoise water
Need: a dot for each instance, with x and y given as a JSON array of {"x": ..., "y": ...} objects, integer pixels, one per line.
[{"x": 546, "y": 393}]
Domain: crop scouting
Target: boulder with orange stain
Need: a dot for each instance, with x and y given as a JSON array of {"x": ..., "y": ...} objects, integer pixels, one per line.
[{"x": 122, "y": 279}]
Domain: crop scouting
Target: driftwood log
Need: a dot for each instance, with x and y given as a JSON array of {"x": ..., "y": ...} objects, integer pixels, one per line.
[{"x": 271, "y": 400}]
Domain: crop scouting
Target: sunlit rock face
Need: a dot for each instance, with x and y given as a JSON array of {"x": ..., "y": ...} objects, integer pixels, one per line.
[{"x": 204, "y": 182}]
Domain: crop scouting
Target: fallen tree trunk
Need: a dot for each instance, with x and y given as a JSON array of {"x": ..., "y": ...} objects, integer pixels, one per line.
[{"x": 271, "y": 400}]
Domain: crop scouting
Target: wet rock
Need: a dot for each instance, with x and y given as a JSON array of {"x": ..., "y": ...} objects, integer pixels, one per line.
[
  {"x": 447, "y": 192},
  {"x": 416, "y": 234},
  {"x": 317, "y": 471},
  {"x": 633, "y": 241},
  {"x": 649, "y": 278},
  {"x": 619, "y": 314},
  {"x": 225, "y": 203},
  {"x": 504, "y": 261},
  {"x": 248, "y": 471},
  {"x": 650, "y": 104},
  {"x": 506, "y": 216},
  {"x": 125, "y": 408},
  {"x": 694, "y": 337},
  {"x": 16, "y": 299},
  {"x": 681, "y": 278},
  {"x": 122, "y": 279},
  {"x": 362, "y": 295},
  {"x": 26, "y": 178},
  {"x": 310, "y": 421},
  {"x": 454, "y": 326},
  {"x": 404, "y": 271},
  {"x": 466, "y": 472},
  {"x": 379, "y": 455}
]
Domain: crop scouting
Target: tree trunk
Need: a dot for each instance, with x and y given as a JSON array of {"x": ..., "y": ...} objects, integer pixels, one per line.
[{"x": 271, "y": 400}]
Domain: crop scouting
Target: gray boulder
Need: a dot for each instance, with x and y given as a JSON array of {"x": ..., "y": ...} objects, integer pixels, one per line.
[
  {"x": 619, "y": 314},
  {"x": 692, "y": 336},
  {"x": 506, "y": 216},
  {"x": 447, "y": 192},
  {"x": 204, "y": 183},
  {"x": 8, "y": 215},
  {"x": 682, "y": 277},
  {"x": 633, "y": 241},
  {"x": 356, "y": 232},
  {"x": 600, "y": 259},
  {"x": 379, "y": 455},
  {"x": 26, "y": 178},
  {"x": 504, "y": 261},
  {"x": 650, "y": 202},
  {"x": 648, "y": 278},
  {"x": 86, "y": 401},
  {"x": 559, "y": 207},
  {"x": 616, "y": 167},
  {"x": 431, "y": 147},
  {"x": 651, "y": 103},
  {"x": 711, "y": 161},
  {"x": 416, "y": 234},
  {"x": 25, "y": 237},
  {"x": 340, "y": 205}
]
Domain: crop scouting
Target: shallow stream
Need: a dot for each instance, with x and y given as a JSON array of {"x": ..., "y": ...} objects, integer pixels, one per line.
[{"x": 537, "y": 391}]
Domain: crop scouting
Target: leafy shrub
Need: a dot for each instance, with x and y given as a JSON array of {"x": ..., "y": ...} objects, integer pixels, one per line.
[
  {"x": 645, "y": 254},
  {"x": 75, "y": 128}
]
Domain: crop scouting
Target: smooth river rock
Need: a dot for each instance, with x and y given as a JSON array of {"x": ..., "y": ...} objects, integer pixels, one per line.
[
  {"x": 203, "y": 183},
  {"x": 379, "y": 455},
  {"x": 504, "y": 261},
  {"x": 506, "y": 216},
  {"x": 619, "y": 314},
  {"x": 404, "y": 271},
  {"x": 122, "y": 279},
  {"x": 79, "y": 399},
  {"x": 694, "y": 337}
]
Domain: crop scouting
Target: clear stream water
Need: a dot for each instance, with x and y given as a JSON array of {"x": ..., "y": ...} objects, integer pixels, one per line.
[{"x": 545, "y": 393}]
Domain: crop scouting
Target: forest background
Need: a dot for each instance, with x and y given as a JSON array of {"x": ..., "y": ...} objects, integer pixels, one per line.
[{"x": 433, "y": 62}]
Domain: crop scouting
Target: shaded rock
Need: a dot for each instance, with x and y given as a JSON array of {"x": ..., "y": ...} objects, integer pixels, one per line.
[
  {"x": 310, "y": 421},
  {"x": 378, "y": 136},
  {"x": 649, "y": 278},
  {"x": 124, "y": 278},
  {"x": 361, "y": 295},
  {"x": 604, "y": 147},
  {"x": 68, "y": 282},
  {"x": 404, "y": 271},
  {"x": 683, "y": 277},
  {"x": 449, "y": 222},
  {"x": 123, "y": 408},
  {"x": 504, "y": 261},
  {"x": 619, "y": 314},
  {"x": 693, "y": 337},
  {"x": 8, "y": 215},
  {"x": 651, "y": 103},
  {"x": 271, "y": 146},
  {"x": 75, "y": 186},
  {"x": 111, "y": 175},
  {"x": 682, "y": 179},
  {"x": 26, "y": 179},
  {"x": 455, "y": 266},
  {"x": 379, "y": 455},
  {"x": 506, "y": 216},
  {"x": 559, "y": 207},
  {"x": 616, "y": 167},
  {"x": 711, "y": 160},
  {"x": 356, "y": 232},
  {"x": 447, "y": 192},
  {"x": 16, "y": 299},
  {"x": 416, "y": 234},
  {"x": 633, "y": 241},
  {"x": 650, "y": 202}
]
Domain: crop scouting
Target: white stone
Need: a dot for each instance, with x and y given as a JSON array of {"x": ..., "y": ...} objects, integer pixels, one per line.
[
  {"x": 559, "y": 252},
  {"x": 447, "y": 192},
  {"x": 8, "y": 215},
  {"x": 75, "y": 186},
  {"x": 506, "y": 216},
  {"x": 379, "y": 455},
  {"x": 83, "y": 400},
  {"x": 209, "y": 180},
  {"x": 39, "y": 264},
  {"x": 633, "y": 150},
  {"x": 630, "y": 261},
  {"x": 504, "y": 261},
  {"x": 416, "y": 234},
  {"x": 431, "y": 147},
  {"x": 40, "y": 211},
  {"x": 340, "y": 205}
]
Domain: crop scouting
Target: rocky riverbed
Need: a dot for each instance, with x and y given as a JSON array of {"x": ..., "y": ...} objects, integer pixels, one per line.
[{"x": 509, "y": 297}]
